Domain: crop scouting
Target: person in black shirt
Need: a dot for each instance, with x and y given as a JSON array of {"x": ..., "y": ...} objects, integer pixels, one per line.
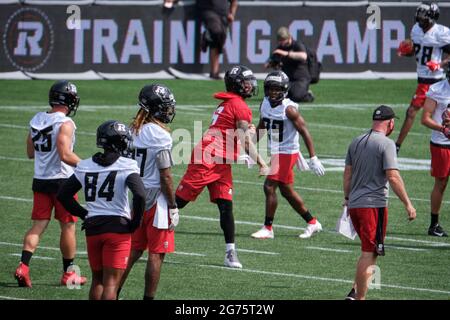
[
  {"x": 216, "y": 16},
  {"x": 290, "y": 56}
]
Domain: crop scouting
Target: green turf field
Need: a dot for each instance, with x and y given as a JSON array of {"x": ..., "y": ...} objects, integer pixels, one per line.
[{"x": 416, "y": 266}]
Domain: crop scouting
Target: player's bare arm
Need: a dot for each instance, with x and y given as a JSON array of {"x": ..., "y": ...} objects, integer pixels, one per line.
[
  {"x": 300, "y": 125},
  {"x": 167, "y": 189},
  {"x": 249, "y": 147},
  {"x": 347, "y": 181},
  {"x": 398, "y": 186},
  {"x": 30, "y": 147},
  {"x": 427, "y": 115},
  {"x": 64, "y": 143}
]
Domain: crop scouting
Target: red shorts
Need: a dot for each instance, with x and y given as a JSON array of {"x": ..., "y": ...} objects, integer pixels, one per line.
[
  {"x": 217, "y": 177},
  {"x": 43, "y": 204},
  {"x": 440, "y": 162},
  {"x": 369, "y": 227},
  {"x": 149, "y": 237},
  {"x": 419, "y": 97},
  {"x": 108, "y": 250},
  {"x": 281, "y": 167}
]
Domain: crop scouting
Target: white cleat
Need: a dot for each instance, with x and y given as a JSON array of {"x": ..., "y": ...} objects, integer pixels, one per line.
[
  {"x": 311, "y": 229},
  {"x": 263, "y": 233},
  {"x": 231, "y": 260}
]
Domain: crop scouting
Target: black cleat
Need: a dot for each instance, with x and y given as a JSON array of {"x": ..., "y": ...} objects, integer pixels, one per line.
[
  {"x": 437, "y": 231},
  {"x": 351, "y": 295}
]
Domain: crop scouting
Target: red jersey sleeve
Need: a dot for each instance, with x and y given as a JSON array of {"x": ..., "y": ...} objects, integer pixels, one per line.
[{"x": 242, "y": 111}]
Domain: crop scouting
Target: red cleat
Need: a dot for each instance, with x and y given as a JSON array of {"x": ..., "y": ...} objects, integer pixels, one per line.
[
  {"x": 72, "y": 278},
  {"x": 22, "y": 276}
]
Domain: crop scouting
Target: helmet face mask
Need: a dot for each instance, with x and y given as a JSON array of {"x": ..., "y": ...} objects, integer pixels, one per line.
[
  {"x": 64, "y": 93},
  {"x": 240, "y": 80},
  {"x": 276, "y": 87},
  {"x": 116, "y": 137},
  {"x": 159, "y": 101},
  {"x": 427, "y": 14}
]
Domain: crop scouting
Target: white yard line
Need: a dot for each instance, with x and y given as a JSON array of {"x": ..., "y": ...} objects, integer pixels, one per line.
[
  {"x": 308, "y": 277},
  {"x": 34, "y": 256},
  {"x": 432, "y": 243},
  {"x": 329, "y": 249},
  {"x": 10, "y": 298},
  {"x": 81, "y": 252},
  {"x": 258, "y": 252}
]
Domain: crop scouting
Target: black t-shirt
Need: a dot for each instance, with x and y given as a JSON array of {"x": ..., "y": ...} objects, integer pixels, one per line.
[
  {"x": 218, "y": 6},
  {"x": 295, "y": 69}
]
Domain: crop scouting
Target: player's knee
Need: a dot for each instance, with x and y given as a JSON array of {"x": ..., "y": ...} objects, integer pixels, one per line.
[
  {"x": 269, "y": 190},
  {"x": 286, "y": 192}
]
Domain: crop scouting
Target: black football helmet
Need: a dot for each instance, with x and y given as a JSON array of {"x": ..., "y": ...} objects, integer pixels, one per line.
[
  {"x": 427, "y": 14},
  {"x": 237, "y": 80},
  {"x": 278, "y": 82},
  {"x": 159, "y": 101},
  {"x": 64, "y": 93},
  {"x": 115, "y": 136}
]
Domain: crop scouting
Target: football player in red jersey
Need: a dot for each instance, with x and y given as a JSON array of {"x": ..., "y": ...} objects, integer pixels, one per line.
[
  {"x": 210, "y": 160},
  {"x": 431, "y": 41}
]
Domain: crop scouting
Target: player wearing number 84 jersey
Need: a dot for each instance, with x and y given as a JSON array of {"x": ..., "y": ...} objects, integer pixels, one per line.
[{"x": 106, "y": 178}]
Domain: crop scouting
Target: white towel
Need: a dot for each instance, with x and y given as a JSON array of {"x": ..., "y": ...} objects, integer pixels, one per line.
[
  {"x": 345, "y": 226},
  {"x": 301, "y": 164},
  {"x": 161, "y": 219}
]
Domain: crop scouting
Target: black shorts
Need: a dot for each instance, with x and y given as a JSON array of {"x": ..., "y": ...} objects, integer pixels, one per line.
[{"x": 216, "y": 25}]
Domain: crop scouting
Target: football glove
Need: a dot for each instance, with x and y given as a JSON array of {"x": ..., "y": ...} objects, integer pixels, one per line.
[
  {"x": 406, "y": 48},
  {"x": 316, "y": 166},
  {"x": 174, "y": 218},
  {"x": 433, "y": 65}
]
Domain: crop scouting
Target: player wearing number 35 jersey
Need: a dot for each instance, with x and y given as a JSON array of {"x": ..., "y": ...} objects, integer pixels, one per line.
[
  {"x": 431, "y": 49},
  {"x": 283, "y": 123},
  {"x": 105, "y": 179}
]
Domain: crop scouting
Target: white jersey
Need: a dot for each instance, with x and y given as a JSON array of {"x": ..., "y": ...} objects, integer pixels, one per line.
[
  {"x": 105, "y": 191},
  {"x": 440, "y": 92},
  {"x": 151, "y": 140},
  {"x": 44, "y": 130},
  {"x": 283, "y": 136},
  {"x": 428, "y": 47}
]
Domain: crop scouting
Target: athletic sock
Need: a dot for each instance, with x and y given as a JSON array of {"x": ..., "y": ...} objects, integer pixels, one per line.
[
  {"x": 434, "y": 219},
  {"x": 26, "y": 257},
  {"x": 67, "y": 263},
  {"x": 308, "y": 217},
  {"x": 230, "y": 246},
  {"x": 268, "y": 223},
  {"x": 148, "y": 298}
]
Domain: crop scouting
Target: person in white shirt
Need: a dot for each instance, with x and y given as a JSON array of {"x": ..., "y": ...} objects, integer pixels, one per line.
[
  {"x": 153, "y": 144},
  {"x": 436, "y": 116},
  {"x": 430, "y": 42},
  {"x": 50, "y": 143},
  {"x": 105, "y": 179},
  {"x": 280, "y": 117}
]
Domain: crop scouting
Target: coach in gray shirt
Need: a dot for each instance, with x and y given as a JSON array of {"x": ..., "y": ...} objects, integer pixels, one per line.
[{"x": 370, "y": 164}]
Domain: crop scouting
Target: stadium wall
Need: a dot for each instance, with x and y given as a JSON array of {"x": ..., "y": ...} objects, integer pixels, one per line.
[{"x": 126, "y": 39}]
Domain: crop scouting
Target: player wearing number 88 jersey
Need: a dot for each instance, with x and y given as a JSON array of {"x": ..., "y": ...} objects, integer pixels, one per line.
[
  {"x": 105, "y": 179},
  {"x": 431, "y": 43},
  {"x": 280, "y": 117}
]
